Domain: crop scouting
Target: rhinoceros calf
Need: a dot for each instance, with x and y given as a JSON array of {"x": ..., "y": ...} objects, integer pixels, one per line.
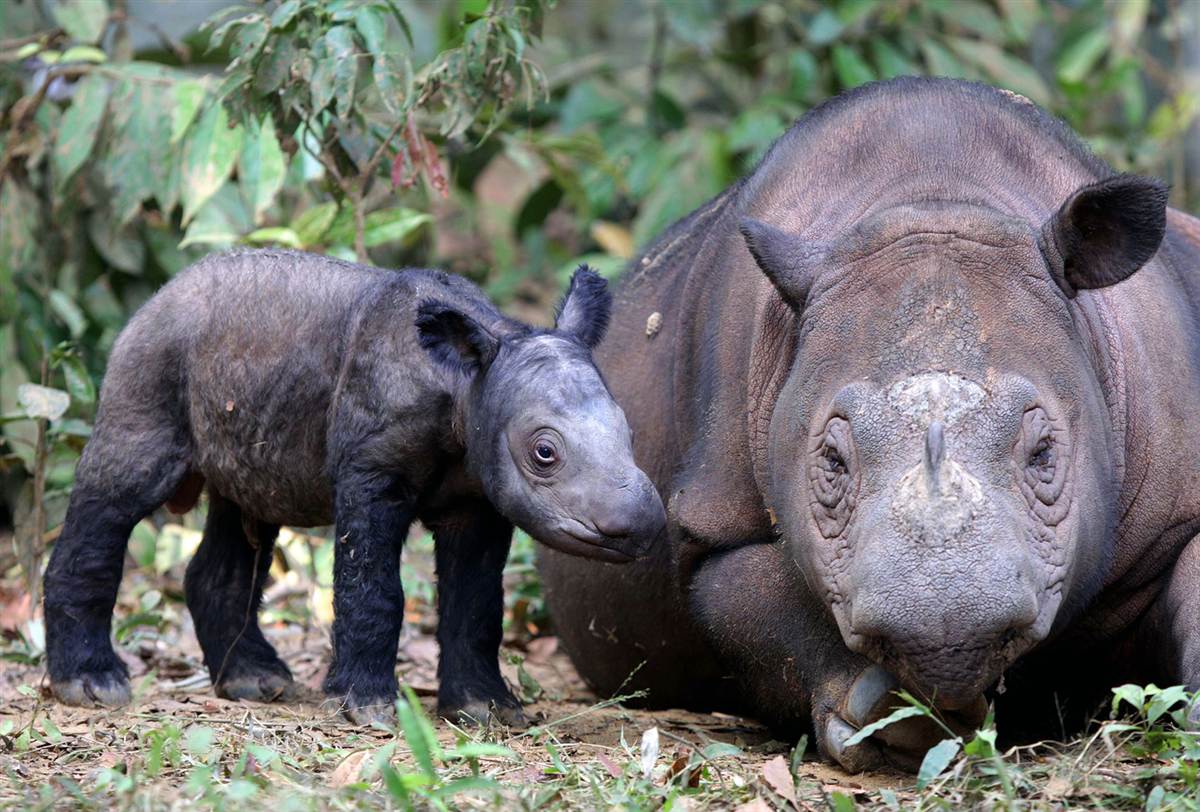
[
  {"x": 923, "y": 398},
  {"x": 305, "y": 390}
]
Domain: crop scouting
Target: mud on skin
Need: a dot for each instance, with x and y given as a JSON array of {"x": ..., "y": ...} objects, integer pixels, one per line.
[
  {"x": 931, "y": 420},
  {"x": 302, "y": 390}
]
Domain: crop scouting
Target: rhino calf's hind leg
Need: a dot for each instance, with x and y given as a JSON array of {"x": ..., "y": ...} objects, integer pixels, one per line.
[
  {"x": 223, "y": 585},
  {"x": 471, "y": 553},
  {"x": 126, "y": 472}
]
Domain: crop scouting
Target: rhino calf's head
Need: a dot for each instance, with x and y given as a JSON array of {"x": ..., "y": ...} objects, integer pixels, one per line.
[
  {"x": 544, "y": 436},
  {"x": 941, "y": 457}
]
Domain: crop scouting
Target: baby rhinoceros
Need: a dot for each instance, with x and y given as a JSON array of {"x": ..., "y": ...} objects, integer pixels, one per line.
[{"x": 305, "y": 391}]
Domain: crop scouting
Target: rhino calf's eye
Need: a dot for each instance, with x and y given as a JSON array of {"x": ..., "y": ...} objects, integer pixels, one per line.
[{"x": 544, "y": 456}]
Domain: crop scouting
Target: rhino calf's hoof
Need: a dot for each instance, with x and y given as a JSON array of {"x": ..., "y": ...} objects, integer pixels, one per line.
[
  {"x": 268, "y": 687},
  {"x": 108, "y": 689},
  {"x": 484, "y": 713}
]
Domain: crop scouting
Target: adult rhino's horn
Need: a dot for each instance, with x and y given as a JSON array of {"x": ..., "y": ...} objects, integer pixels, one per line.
[
  {"x": 1104, "y": 232},
  {"x": 788, "y": 261}
]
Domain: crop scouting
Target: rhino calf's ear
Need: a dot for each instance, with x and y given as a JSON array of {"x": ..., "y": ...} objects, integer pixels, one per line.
[
  {"x": 585, "y": 310},
  {"x": 1104, "y": 232},
  {"x": 787, "y": 260},
  {"x": 454, "y": 339}
]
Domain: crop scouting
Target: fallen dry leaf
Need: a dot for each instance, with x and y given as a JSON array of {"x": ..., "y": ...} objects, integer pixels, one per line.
[
  {"x": 778, "y": 776},
  {"x": 757, "y": 805},
  {"x": 347, "y": 772},
  {"x": 540, "y": 649}
]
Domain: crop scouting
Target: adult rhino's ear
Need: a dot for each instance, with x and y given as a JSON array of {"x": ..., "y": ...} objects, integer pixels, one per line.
[
  {"x": 1104, "y": 232},
  {"x": 585, "y": 310},
  {"x": 454, "y": 339},
  {"x": 787, "y": 260}
]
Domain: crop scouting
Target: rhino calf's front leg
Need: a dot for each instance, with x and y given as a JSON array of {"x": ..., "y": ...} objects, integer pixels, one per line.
[{"x": 372, "y": 516}]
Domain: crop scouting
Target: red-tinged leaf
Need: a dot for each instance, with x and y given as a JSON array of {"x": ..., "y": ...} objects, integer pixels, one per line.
[
  {"x": 777, "y": 775},
  {"x": 608, "y": 765}
]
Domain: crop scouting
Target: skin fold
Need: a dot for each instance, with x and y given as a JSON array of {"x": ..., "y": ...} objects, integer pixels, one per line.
[
  {"x": 306, "y": 391},
  {"x": 931, "y": 422}
]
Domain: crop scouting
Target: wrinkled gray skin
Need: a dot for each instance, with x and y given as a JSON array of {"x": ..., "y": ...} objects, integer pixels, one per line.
[
  {"x": 916, "y": 432},
  {"x": 308, "y": 391}
]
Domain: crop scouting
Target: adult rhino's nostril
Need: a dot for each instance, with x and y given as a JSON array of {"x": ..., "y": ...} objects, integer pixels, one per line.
[{"x": 935, "y": 453}]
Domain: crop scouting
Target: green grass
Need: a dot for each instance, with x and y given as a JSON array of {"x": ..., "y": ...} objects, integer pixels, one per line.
[{"x": 179, "y": 747}]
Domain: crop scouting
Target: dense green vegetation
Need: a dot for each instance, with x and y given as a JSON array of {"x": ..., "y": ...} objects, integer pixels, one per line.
[{"x": 505, "y": 140}]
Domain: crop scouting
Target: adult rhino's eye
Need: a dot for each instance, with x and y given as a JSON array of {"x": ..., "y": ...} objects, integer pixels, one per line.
[
  {"x": 832, "y": 478},
  {"x": 1042, "y": 477},
  {"x": 545, "y": 453}
]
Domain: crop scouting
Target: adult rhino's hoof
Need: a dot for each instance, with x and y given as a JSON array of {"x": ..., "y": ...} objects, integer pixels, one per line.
[
  {"x": 106, "y": 689},
  {"x": 267, "y": 687},
  {"x": 485, "y": 713},
  {"x": 902, "y": 744}
]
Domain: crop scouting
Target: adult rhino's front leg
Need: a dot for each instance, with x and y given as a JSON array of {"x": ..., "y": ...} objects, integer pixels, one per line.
[
  {"x": 1175, "y": 625},
  {"x": 792, "y": 666}
]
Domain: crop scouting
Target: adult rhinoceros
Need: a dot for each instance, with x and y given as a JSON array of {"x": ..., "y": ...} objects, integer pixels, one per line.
[{"x": 923, "y": 393}]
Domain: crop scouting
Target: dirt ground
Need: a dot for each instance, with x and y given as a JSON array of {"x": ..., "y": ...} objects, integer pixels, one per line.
[{"x": 177, "y": 746}]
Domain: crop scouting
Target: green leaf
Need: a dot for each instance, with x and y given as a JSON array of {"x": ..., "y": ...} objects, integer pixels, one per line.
[
  {"x": 940, "y": 61},
  {"x": 415, "y": 734},
  {"x": 936, "y": 760},
  {"x": 1163, "y": 700},
  {"x": 188, "y": 95},
  {"x": 84, "y": 53},
  {"x": 208, "y": 157},
  {"x": 907, "y": 712},
  {"x": 469, "y": 750},
  {"x": 341, "y": 52},
  {"x": 79, "y": 383},
  {"x": 1020, "y": 17},
  {"x": 840, "y": 802},
  {"x": 983, "y": 745},
  {"x": 140, "y": 157},
  {"x": 889, "y": 62},
  {"x": 277, "y": 235},
  {"x": 78, "y": 127},
  {"x": 312, "y": 223},
  {"x": 261, "y": 168},
  {"x": 283, "y": 16},
  {"x": 1078, "y": 58},
  {"x": 392, "y": 225},
  {"x": 69, "y": 312},
  {"x": 977, "y": 17},
  {"x": 1003, "y": 68},
  {"x": 1135, "y": 695},
  {"x": 850, "y": 68},
  {"x": 83, "y": 20},
  {"x": 372, "y": 24},
  {"x": 824, "y": 27},
  {"x": 42, "y": 401},
  {"x": 720, "y": 750}
]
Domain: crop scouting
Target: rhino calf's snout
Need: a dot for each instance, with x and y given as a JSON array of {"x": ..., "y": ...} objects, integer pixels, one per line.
[{"x": 634, "y": 512}]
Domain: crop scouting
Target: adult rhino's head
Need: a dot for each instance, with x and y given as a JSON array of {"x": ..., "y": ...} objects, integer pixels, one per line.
[
  {"x": 543, "y": 434},
  {"x": 941, "y": 455}
]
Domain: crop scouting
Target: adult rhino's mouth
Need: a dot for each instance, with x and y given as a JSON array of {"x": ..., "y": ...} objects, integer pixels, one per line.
[{"x": 951, "y": 676}]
